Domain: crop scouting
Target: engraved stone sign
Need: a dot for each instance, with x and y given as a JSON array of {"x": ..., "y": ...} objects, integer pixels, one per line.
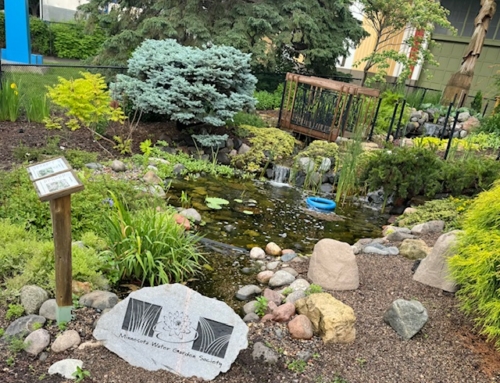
[{"x": 174, "y": 328}]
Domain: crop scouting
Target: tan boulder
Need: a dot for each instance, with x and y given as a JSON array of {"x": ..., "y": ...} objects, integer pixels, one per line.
[
  {"x": 331, "y": 319},
  {"x": 333, "y": 266},
  {"x": 273, "y": 249},
  {"x": 433, "y": 270},
  {"x": 414, "y": 249}
]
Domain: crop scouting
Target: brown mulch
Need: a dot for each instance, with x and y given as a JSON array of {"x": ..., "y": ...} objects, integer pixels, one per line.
[{"x": 446, "y": 350}]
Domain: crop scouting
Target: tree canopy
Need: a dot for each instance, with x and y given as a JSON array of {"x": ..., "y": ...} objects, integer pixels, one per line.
[
  {"x": 319, "y": 31},
  {"x": 388, "y": 19}
]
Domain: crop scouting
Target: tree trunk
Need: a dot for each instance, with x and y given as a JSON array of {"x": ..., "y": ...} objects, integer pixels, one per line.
[{"x": 459, "y": 84}]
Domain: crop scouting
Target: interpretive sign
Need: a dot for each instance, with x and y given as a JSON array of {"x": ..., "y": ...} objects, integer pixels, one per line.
[
  {"x": 55, "y": 181},
  {"x": 48, "y": 168},
  {"x": 174, "y": 328}
]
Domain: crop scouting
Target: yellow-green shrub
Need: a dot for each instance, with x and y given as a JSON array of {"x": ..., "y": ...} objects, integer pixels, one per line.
[
  {"x": 319, "y": 149},
  {"x": 266, "y": 144},
  {"x": 476, "y": 265}
]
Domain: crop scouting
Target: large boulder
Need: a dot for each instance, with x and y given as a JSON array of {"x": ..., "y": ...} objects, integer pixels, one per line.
[
  {"x": 428, "y": 227},
  {"x": 414, "y": 249},
  {"x": 433, "y": 270},
  {"x": 331, "y": 319},
  {"x": 333, "y": 266},
  {"x": 406, "y": 317}
]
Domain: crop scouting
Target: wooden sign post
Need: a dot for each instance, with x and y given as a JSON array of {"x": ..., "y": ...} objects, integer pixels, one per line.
[{"x": 55, "y": 181}]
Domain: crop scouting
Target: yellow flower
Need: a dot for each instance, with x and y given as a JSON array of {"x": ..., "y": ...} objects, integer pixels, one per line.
[
  {"x": 13, "y": 86},
  {"x": 16, "y": 92}
]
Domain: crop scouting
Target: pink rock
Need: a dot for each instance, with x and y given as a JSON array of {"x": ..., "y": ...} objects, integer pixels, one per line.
[
  {"x": 182, "y": 221},
  {"x": 300, "y": 327},
  {"x": 284, "y": 312},
  {"x": 287, "y": 251},
  {"x": 267, "y": 318},
  {"x": 271, "y": 306},
  {"x": 264, "y": 276},
  {"x": 272, "y": 296}
]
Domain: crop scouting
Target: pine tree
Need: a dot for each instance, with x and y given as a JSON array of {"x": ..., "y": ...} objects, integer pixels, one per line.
[
  {"x": 319, "y": 31},
  {"x": 187, "y": 84}
]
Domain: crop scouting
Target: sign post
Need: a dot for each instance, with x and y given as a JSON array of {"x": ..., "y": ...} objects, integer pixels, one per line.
[{"x": 55, "y": 181}]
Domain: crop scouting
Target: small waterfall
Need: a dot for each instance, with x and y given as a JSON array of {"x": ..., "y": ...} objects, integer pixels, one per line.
[{"x": 281, "y": 174}]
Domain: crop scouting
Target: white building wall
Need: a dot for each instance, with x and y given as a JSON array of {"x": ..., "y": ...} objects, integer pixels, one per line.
[{"x": 59, "y": 10}]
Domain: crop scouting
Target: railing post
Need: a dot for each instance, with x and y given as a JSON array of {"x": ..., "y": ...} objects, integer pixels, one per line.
[
  {"x": 396, "y": 106},
  {"x": 484, "y": 110},
  {"x": 451, "y": 136},
  {"x": 399, "y": 121},
  {"x": 422, "y": 99},
  {"x": 281, "y": 105},
  {"x": 441, "y": 136},
  {"x": 374, "y": 119}
]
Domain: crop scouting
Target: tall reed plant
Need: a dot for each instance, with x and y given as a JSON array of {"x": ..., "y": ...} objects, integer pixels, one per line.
[
  {"x": 10, "y": 101},
  {"x": 150, "y": 247},
  {"x": 348, "y": 166},
  {"x": 37, "y": 108}
]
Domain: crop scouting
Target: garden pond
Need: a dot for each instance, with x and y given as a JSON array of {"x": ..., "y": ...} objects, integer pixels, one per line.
[{"x": 258, "y": 213}]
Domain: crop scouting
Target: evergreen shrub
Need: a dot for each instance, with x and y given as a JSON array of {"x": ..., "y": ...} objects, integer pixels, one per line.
[
  {"x": 188, "y": 84},
  {"x": 475, "y": 266}
]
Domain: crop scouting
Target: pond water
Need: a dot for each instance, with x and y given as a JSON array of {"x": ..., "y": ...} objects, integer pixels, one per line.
[{"x": 279, "y": 214}]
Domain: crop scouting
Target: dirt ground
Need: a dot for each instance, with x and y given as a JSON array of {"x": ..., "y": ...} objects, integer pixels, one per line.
[{"x": 447, "y": 350}]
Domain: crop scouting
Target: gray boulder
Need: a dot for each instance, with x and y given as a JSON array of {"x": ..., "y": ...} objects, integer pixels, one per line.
[
  {"x": 23, "y": 326},
  {"x": 191, "y": 214},
  {"x": 264, "y": 354},
  {"x": 32, "y": 298},
  {"x": 49, "y": 309},
  {"x": 118, "y": 166},
  {"x": 433, "y": 269},
  {"x": 248, "y": 292},
  {"x": 99, "y": 300},
  {"x": 428, "y": 227},
  {"x": 281, "y": 278},
  {"x": 37, "y": 341},
  {"x": 406, "y": 317}
]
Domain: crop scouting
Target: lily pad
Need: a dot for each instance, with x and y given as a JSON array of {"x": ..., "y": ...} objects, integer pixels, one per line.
[
  {"x": 238, "y": 200},
  {"x": 215, "y": 203}
]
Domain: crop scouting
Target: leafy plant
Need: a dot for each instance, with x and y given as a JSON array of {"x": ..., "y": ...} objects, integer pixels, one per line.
[
  {"x": 124, "y": 146},
  {"x": 267, "y": 100},
  {"x": 185, "y": 200},
  {"x": 386, "y": 111},
  {"x": 220, "y": 86},
  {"x": 16, "y": 344},
  {"x": 145, "y": 147},
  {"x": 80, "y": 374},
  {"x": 15, "y": 311},
  {"x": 287, "y": 291},
  {"x": 62, "y": 326},
  {"x": 475, "y": 263},
  {"x": 261, "y": 306},
  {"x": 298, "y": 366},
  {"x": 477, "y": 102},
  {"x": 149, "y": 246},
  {"x": 313, "y": 289},
  {"x": 2, "y": 332}
]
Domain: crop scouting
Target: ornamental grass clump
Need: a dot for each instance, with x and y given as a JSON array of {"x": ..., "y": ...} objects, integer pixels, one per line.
[
  {"x": 150, "y": 247},
  {"x": 475, "y": 266}
]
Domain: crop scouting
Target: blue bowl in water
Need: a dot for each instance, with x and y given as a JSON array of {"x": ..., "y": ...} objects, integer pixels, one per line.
[{"x": 321, "y": 203}]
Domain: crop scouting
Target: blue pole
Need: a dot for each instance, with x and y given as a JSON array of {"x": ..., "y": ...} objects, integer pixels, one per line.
[{"x": 17, "y": 34}]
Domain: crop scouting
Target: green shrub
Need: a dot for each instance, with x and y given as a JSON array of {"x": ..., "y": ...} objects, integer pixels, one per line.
[
  {"x": 251, "y": 119},
  {"x": 73, "y": 41},
  {"x": 449, "y": 210},
  {"x": 475, "y": 265},
  {"x": 14, "y": 311},
  {"x": 313, "y": 289},
  {"x": 149, "y": 246},
  {"x": 404, "y": 172},
  {"x": 26, "y": 260},
  {"x": 469, "y": 175},
  {"x": 490, "y": 124},
  {"x": 40, "y": 36},
  {"x": 267, "y": 100},
  {"x": 261, "y": 306},
  {"x": 266, "y": 145},
  {"x": 477, "y": 103}
]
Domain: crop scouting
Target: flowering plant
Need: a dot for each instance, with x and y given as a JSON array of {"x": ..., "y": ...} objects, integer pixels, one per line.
[{"x": 9, "y": 101}]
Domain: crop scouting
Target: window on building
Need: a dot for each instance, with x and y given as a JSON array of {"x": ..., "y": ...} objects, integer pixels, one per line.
[{"x": 462, "y": 15}]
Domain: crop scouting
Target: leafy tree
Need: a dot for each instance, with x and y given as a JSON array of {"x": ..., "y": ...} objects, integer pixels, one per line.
[
  {"x": 388, "y": 19},
  {"x": 188, "y": 84},
  {"x": 319, "y": 31},
  {"x": 460, "y": 82}
]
